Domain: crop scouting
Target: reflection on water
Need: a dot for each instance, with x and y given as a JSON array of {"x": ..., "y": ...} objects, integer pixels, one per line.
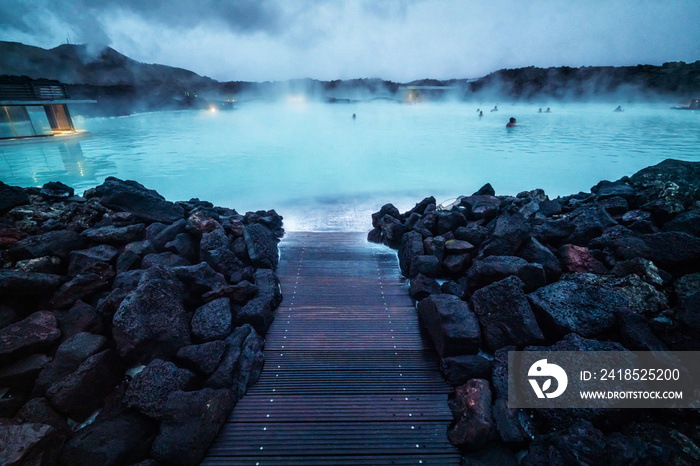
[
  {"x": 321, "y": 169},
  {"x": 33, "y": 163}
]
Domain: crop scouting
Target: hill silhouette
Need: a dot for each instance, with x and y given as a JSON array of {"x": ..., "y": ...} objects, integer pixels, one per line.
[
  {"x": 122, "y": 85},
  {"x": 81, "y": 64}
]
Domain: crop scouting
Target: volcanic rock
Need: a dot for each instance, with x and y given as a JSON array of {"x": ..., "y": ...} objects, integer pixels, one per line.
[
  {"x": 428, "y": 265},
  {"x": 493, "y": 268},
  {"x": 262, "y": 247},
  {"x": 422, "y": 287},
  {"x": 250, "y": 364},
  {"x": 204, "y": 358},
  {"x": 201, "y": 221},
  {"x": 11, "y": 196},
  {"x": 578, "y": 259},
  {"x": 645, "y": 269},
  {"x": 451, "y": 324},
  {"x": 39, "y": 411},
  {"x": 164, "y": 259},
  {"x": 687, "y": 222},
  {"x": 212, "y": 321},
  {"x": 17, "y": 283},
  {"x": 575, "y": 342},
  {"x": 420, "y": 207},
  {"x": 229, "y": 368},
  {"x": 258, "y": 313},
  {"x": 505, "y": 315},
  {"x": 454, "y": 264},
  {"x": 167, "y": 234},
  {"x": 27, "y": 444},
  {"x": 150, "y": 387},
  {"x": 481, "y": 206},
  {"x": 130, "y": 196},
  {"x": 200, "y": 279},
  {"x": 449, "y": 221},
  {"x": 615, "y": 205},
  {"x": 120, "y": 440},
  {"x": 589, "y": 223},
  {"x": 457, "y": 370},
  {"x": 46, "y": 264},
  {"x": 636, "y": 335},
  {"x": 267, "y": 285},
  {"x": 673, "y": 251},
  {"x": 579, "y": 444},
  {"x": 473, "y": 233},
  {"x": 553, "y": 231},
  {"x": 426, "y": 225},
  {"x": 392, "y": 230},
  {"x": 578, "y": 303},
  {"x": 81, "y": 392},
  {"x": 456, "y": 287},
  {"x": 22, "y": 373},
  {"x": 191, "y": 421},
  {"x": 54, "y": 243},
  {"x": 126, "y": 261},
  {"x": 117, "y": 236},
  {"x": 128, "y": 281},
  {"x": 536, "y": 253},
  {"x": 82, "y": 261},
  {"x": 471, "y": 407},
  {"x": 387, "y": 209},
  {"x": 687, "y": 285},
  {"x": 81, "y": 287},
  {"x": 35, "y": 333},
  {"x": 509, "y": 233},
  {"x": 184, "y": 245},
  {"x": 151, "y": 321},
  {"x": 69, "y": 356},
  {"x": 214, "y": 249},
  {"x": 513, "y": 425}
]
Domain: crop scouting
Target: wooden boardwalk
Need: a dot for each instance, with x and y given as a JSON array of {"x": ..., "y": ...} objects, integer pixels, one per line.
[{"x": 348, "y": 378}]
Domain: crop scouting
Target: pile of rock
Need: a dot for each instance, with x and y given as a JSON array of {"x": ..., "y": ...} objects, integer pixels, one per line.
[
  {"x": 614, "y": 269},
  {"x": 129, "y": 325}
]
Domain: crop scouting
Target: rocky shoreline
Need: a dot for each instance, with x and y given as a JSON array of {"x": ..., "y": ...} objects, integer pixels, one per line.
[
  {"x": 614, "y": 269},
  {"x": 129, "y": 325}
]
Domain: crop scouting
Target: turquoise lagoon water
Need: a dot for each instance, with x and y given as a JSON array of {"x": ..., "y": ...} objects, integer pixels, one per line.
[{"x": 321, "y": 169}]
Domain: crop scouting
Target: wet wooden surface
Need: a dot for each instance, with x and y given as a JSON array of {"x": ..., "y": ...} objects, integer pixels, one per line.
[{"x": 348, "y": 378}]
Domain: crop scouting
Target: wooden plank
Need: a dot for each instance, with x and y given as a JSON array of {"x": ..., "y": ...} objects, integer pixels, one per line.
[
  {"x": 349, "y": 377},
  {"x": 326, "y": 460}
]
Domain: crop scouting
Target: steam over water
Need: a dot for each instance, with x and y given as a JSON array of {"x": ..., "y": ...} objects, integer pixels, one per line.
[{"x": 321, "y": 169}]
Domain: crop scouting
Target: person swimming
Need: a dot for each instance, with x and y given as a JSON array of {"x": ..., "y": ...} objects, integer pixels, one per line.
[
  {"x": 618, "y": 109},
  {"x": 548, "y": 110},
  {"x": 354, "y": 116},
  {"x": 481, "y": 113},
  {"x": 540, "y": 110},
  {"x": 511, "y": 123},
  {"x": 495, "y": 108}
]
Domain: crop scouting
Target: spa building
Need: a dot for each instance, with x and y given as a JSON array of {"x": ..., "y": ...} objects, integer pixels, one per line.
[{"x": 35, "y": 108}]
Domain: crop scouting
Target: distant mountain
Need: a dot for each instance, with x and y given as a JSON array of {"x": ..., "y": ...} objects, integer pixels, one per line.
[
  {"x": 79, "y": 64},
  {"x": 122, "y": 85},
  {"x": 674, "y": 79}
]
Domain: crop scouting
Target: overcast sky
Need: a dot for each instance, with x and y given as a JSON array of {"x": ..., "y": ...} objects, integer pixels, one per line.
[{"x": 400, "y": 40}]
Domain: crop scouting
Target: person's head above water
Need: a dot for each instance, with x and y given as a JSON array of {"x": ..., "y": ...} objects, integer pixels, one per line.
[
  {"x": 510, "y": 123},
  {"x": 512, "y": 120}
]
